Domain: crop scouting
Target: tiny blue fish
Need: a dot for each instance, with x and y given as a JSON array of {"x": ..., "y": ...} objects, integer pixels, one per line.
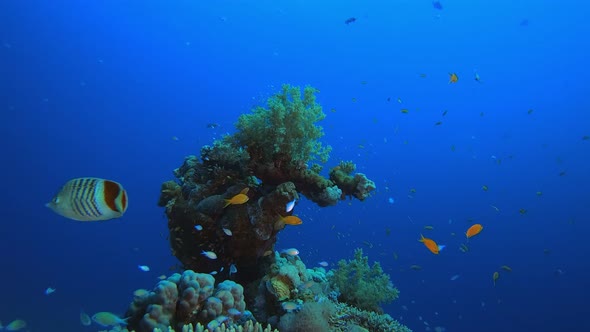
[
  {"x": 441, "y": 247},
  {"x": 455, "y": 277},
  {"x": 232, "y": 269},
  {"x": 199, "y": 227}
]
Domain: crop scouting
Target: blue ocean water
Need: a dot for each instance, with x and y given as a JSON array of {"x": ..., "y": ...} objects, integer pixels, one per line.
[{"x": 101, "y": 88}]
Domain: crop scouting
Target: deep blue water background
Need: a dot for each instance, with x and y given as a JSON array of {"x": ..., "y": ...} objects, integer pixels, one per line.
[{"x": 99, "y": 88}]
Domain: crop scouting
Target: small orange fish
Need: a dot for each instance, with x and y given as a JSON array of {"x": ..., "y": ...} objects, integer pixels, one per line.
[
  {"x": 291, "y": 220},
  {"x": 453, "y": 78},
  {"x": 430, "y": 244},
  {"x": 473, "y": 230},
  {"x": 237, "y": 199}
]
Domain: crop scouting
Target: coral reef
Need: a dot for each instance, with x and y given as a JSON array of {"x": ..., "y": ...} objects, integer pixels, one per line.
[
  {"x": 349, "y": 318},
  {"x": 361, "y": 285},
  {"x": 314, "y": 307},
  {"x": 190, "y": 302},
  {"x": 188, "y": 299},
  {"x": 267, "y": 160},
  {"x": 224, "y": 212},
  {"x": 314, "y": 316}
]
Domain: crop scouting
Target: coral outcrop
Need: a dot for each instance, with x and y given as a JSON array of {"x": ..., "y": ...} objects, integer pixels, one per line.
[{"x": 266, "y": 159}]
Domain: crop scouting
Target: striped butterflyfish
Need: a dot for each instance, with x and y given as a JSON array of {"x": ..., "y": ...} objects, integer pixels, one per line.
[{"x": 90, "y": 199}]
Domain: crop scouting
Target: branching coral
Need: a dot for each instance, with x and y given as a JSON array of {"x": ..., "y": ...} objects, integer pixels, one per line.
[{"x": 361, "y": 285}]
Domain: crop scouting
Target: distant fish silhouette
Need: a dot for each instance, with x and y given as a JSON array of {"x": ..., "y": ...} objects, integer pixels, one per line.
[
  {"x": 524, "y": 23},
  {"x": 437, "y": 5},
  {"x": 350, "y": 20}
]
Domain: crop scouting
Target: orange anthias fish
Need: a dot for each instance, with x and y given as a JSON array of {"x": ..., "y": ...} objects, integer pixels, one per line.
[
  {"x": 237, "y": 199},
  {"x": 453, "y": 78},
  {"x": 291, "y": 220},
  {"x": 431, "y": 245},
  {"x": 473, "y": 230}
]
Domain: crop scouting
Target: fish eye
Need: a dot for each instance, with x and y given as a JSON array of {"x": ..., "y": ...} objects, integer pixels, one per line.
[{"x": 56, "y": 200}]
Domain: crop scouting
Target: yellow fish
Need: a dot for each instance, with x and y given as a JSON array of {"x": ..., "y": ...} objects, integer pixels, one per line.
[
  {"x": 428, "y": 227},
  {"x": 431, "y": 245},
  {"x": 484, "y": 188},
  {"x": 453, "y": 78},
  {"x": 473, "y": 230},
  {"x": 506, "y": 268},
  {"x": 291, "y": 220},
  {"x": 405, "y": 111},
  {"x": 495, "y": 277},
  {"x": 90, "y": 199},
  {"x": 237, "y": 199}
]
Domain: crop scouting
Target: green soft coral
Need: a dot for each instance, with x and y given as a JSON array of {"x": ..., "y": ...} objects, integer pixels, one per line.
[
  {"x": 286, "y": 128},
  {"x": 363, "y": 286}
]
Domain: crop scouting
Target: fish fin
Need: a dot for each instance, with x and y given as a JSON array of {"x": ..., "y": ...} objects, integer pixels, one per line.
[{"x": 227, "y": 202}]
